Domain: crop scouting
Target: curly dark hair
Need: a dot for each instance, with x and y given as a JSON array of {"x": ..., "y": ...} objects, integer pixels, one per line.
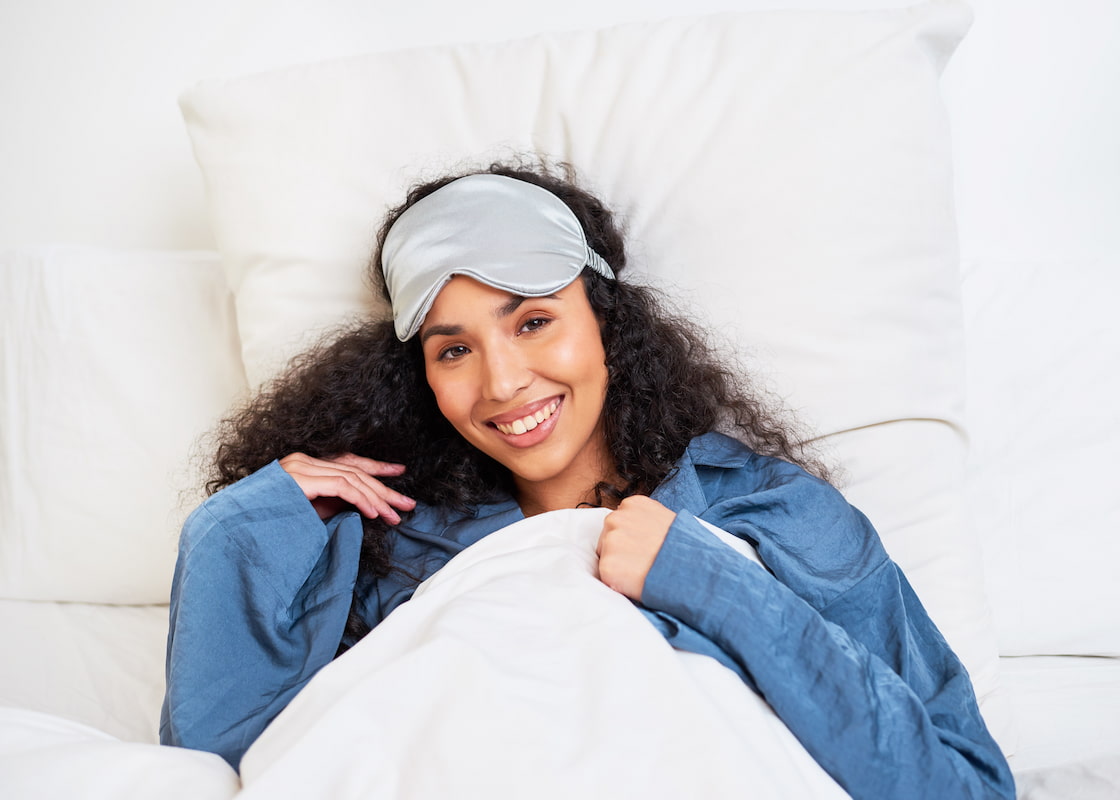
[{"x": 363, "y": 391}]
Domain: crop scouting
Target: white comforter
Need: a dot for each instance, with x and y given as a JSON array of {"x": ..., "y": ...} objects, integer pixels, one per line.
[{"x": 513, "y": 672}]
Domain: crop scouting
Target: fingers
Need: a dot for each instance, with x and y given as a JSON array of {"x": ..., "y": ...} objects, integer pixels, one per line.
[
  {"x": 629, "y": 543},
  {"x": 326, "y": 479},
  {"x": 369, "y": 465},
  {"x": 349, "y": 478}
]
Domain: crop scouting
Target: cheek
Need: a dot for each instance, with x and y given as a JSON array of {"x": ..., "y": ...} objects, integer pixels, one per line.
[
  {"x": 452, "y": 398},
  {"x": 441, "y": 388},
  {"x": 580, "y": 361}
]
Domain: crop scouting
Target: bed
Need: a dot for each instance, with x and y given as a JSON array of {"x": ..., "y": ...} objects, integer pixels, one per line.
[{"x": 829, "y": 189}]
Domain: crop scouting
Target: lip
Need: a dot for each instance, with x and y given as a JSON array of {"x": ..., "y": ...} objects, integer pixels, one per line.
[{"x": 535, "y": 436}]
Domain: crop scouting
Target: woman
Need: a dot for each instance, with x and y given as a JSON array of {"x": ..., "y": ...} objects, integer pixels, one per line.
[{"x": 520, "y": 375}]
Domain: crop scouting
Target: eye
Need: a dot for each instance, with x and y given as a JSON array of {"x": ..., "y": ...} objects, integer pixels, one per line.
[
  {"x": 534, "y": 324},
  {"x": 452, "y": 353}
]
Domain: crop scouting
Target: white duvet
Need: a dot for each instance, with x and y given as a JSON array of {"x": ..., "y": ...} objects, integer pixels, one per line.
[{"x": 513, "y": 672}]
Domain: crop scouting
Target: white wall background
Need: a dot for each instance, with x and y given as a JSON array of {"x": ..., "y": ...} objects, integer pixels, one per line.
[
  {"x": 1034, "y": 93},
  {"x": 93, "y": 151}
]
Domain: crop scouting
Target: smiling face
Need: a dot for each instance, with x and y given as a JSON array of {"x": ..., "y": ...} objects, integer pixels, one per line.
[{"x": 524, "y": 380}]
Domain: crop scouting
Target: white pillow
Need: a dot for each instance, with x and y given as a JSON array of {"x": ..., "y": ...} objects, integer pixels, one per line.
[
  {"x": 1042, "y": 379},
  {"x": 790, "y": 171},
  {"x": 114, "y": 362}
]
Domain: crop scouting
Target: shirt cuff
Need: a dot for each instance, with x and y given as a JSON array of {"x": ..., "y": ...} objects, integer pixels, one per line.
[
  {"x": 266, "y": 526},
  {"x": 696, "y": 577}
]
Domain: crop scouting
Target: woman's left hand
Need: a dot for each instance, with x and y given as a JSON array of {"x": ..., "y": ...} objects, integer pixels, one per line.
[{"x": 631, "y": 538}]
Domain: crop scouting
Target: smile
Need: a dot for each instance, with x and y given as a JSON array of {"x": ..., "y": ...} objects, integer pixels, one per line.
[{"x": 528, "y": 422}]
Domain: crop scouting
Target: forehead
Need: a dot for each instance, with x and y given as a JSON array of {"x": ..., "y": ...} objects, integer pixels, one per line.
[
  {"x": 463, "y": 299},
  {"x": 463, "y": 293}
]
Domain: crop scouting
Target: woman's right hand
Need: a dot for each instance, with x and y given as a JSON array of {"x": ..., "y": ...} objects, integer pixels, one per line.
[{"x": 330, "y": 484}]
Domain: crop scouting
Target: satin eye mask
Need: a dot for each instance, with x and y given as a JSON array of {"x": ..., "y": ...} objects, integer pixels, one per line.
[{"x": 506, "y": 233}]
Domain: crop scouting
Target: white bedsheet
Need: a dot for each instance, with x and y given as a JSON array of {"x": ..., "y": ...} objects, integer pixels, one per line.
[
  {"x": 1068, "y": 710},
  {"x": 45, "y": 757}
]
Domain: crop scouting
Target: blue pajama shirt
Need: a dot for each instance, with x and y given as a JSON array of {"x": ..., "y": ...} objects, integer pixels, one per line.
[{"x": 830, "y": 633}]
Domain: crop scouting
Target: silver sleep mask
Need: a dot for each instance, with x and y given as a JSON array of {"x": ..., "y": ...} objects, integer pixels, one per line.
[{"x": 509, "y": 234}]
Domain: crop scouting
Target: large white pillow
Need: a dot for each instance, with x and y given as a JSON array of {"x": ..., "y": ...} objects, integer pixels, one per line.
[
  {"x": 114, "y": 363},
  {"x": 789, "y": 173}
]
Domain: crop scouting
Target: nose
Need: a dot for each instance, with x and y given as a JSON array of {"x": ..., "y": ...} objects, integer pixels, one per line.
[{"x": 505, "y": 374}]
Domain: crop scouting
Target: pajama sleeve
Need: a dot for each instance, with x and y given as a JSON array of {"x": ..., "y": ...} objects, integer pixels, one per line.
[
  {"x": 866, "y": 682},
  {"x": 260, "y": 596}
]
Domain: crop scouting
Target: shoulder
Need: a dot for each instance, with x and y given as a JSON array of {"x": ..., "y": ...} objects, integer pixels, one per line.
[
  {"x": 715, "y": 467},
  {"x": 718, "y": 450},
  {"x": 729, "y": 472},
  {"x": 805, "y": 530},
  {"x": 726, "y": 467}
]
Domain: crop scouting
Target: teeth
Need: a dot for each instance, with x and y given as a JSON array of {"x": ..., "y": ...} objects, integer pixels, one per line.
[{"x": 527, "y": 423}]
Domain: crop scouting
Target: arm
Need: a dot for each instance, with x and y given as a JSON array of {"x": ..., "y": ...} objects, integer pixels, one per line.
[
  {"x": 261, "y": 593},
  {"x": 882, "y": 704}
]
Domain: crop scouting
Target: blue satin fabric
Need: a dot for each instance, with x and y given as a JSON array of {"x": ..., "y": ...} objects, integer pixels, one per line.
[{"x": 830, "y": 633}]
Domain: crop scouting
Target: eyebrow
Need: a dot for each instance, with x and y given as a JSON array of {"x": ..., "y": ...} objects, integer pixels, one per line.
[
  {"x": 515, "y": 303},
  {"x": 440, "y": 330},
  {"x": 500, "y": 312}
]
